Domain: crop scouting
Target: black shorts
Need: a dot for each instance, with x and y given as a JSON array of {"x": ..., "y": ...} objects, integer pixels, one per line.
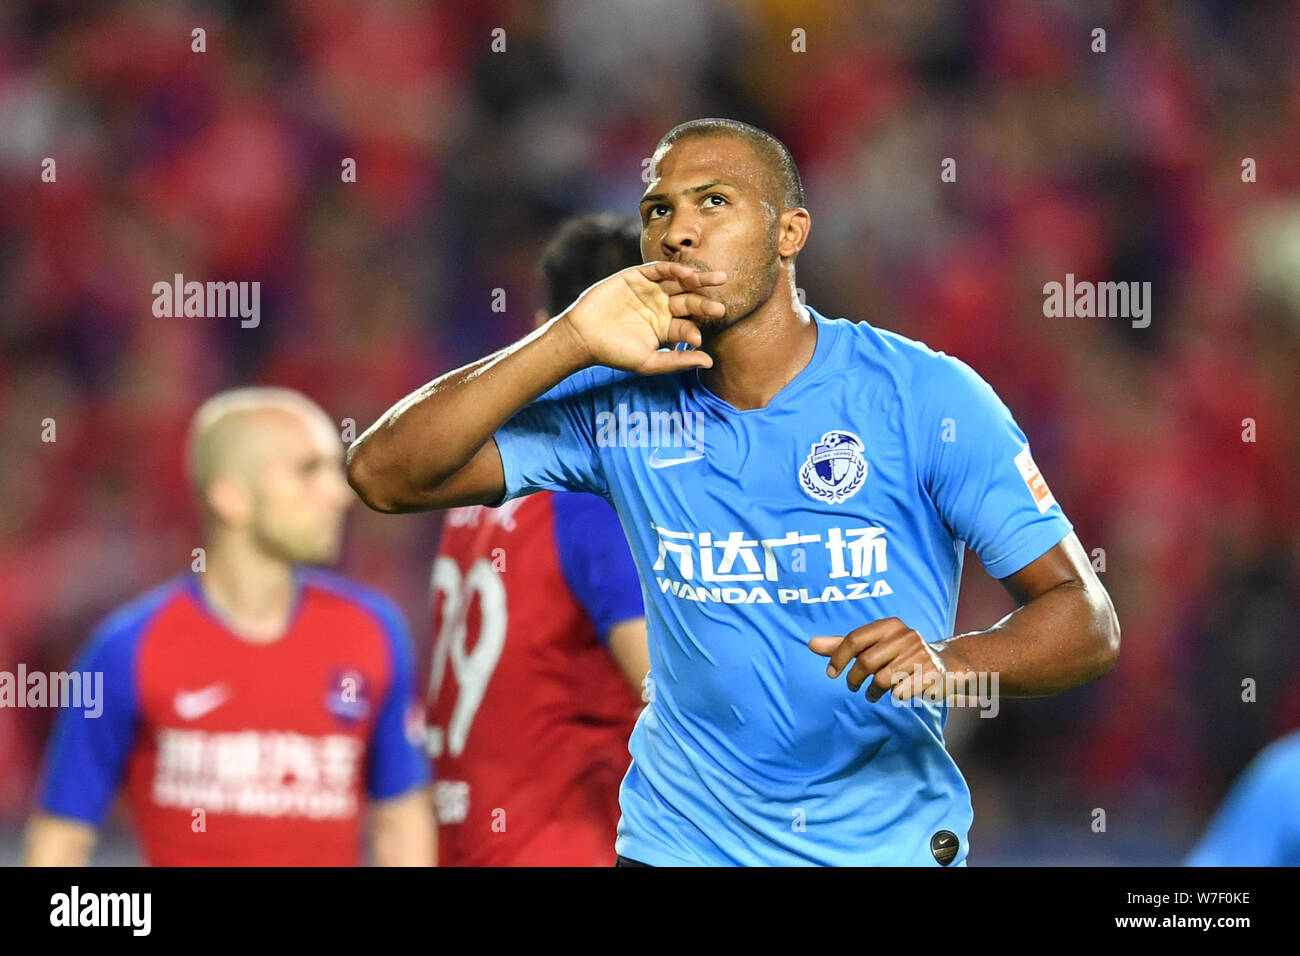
[{"x": 624, "y": 861}]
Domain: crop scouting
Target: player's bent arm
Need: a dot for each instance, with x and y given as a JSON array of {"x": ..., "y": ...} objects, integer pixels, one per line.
[
  {"x": 59, "y": 841},
  {"x": 403, "y": 831},
  {"x": 1064, "y": 634},
  {"x": 405, "y": 461},
  {"x": 432, "y": 449},
  {"x": 627, "y": 645}
]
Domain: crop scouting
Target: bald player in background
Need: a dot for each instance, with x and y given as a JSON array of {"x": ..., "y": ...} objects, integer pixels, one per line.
[{"x": 253, "y": 710}]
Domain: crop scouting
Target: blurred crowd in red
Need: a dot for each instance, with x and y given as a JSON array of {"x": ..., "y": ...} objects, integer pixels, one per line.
[{"x": 1127, "y": 164}]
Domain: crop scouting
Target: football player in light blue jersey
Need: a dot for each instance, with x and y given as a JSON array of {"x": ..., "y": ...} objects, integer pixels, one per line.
[
  {"x": 1259, "y": 822},
  {"x": 798, "y": 492}
]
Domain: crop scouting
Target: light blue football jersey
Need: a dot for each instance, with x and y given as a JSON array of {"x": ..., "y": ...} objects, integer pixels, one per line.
[
  {"x": 1259, "y": 822},
  {"x": 847, "y": 499}
]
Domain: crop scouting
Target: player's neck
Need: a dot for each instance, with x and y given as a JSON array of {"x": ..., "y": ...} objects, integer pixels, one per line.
[
  {"x": 251, "y": 592},
  {"x": 762, "y": 353}
]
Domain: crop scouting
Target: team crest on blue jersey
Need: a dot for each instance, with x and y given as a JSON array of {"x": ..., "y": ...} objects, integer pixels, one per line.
[
  {"x": 834, "y": 469},
  {"x": 348, "y": 696}
]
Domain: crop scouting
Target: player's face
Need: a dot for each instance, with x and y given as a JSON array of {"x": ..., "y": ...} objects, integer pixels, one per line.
[
  {"x": 704, "y": 206},
  {"x": 300, "y": 494}
]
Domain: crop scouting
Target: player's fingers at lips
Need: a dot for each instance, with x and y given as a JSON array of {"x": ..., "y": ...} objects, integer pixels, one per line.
[
  {"x": 692, "y": 281},
  {"x": 684, "y": 330},
  {"x": 659, "y": 271},
  {"x": 693, "y": 303},
  {"x": 699, "y": 280},
  {"x": 675, "y": 361}
]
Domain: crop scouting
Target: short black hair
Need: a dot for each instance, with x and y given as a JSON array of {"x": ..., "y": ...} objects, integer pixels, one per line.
[
  {"x": 787, "y": 184},
  {"x": 585, "y": 250}
]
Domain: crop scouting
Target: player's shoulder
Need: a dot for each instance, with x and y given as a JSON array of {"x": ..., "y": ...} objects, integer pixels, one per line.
[
  {"x": 145, "y": 606},
  {"x": 122, "y": 628},
  {"x": 1281, "y": 757},
  {"x": 917, "y": 370},
  {"x": 320, "y": 584},
  {"x": 590, "y": 381},
  {"x": 609, "y": 386}
]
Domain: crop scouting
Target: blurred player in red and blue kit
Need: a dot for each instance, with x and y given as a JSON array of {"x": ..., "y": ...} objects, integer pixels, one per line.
[
  {"x": 530, "y": 745},
  {"x": 250, "y": 711}
]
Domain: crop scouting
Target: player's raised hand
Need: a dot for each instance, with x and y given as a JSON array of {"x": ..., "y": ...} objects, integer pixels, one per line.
[
  {"x": 891, "y": 651},
  {"x": 623, "y": 320}
]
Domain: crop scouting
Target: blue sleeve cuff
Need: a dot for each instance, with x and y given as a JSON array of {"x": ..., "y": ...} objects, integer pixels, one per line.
[{"x": 1028, "y": 546}]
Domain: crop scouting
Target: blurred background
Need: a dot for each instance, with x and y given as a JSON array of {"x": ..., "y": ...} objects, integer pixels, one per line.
[{"x": 1117, "y": 166}]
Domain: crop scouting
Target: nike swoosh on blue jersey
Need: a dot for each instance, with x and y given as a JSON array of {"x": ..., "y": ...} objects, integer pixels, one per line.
[{"x": 657, "y": 462}]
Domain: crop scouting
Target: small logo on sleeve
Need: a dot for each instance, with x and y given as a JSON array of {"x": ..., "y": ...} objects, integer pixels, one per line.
[
  {"x": 416, "y": 734},
  {"x": 1034, "y": 480},
  {"x": 347, "y": 696}
]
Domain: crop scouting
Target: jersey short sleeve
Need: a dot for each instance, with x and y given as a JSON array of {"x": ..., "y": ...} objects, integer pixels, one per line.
[
  {"x": 89, "y": 747},
  {"x": 550, "y": 444},
  {"x": 595, "y": 560},
  {"x": 396, "y": 760},
  {"x": 978, "y": 470}
]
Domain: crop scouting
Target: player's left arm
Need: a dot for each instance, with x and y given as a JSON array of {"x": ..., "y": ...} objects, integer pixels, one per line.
[
  {"x": 89, "y": 749},
  {"x": 403, "y": 831},
  {"x": 976, "y": 467},
  {"x": 627, "y": 645},
  {"x": 1063, "y": 634}
]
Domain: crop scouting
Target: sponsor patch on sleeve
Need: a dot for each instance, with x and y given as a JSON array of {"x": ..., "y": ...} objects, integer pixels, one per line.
[
  {"x": 1034, "y": 480},
  {"x": 414, "y": 725}
]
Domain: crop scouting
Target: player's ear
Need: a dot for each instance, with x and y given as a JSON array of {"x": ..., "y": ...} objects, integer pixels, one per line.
[
  {"x": 792, "y": 231},
  {"x": 229, "y": 501}
]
